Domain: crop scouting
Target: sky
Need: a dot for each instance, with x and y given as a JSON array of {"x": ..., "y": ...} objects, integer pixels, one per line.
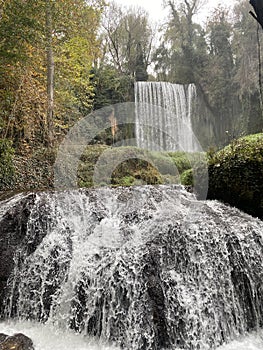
[{"x": 156, "y": 12}]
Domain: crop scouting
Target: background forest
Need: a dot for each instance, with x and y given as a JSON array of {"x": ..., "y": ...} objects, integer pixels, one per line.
[{"x": 62, "y": 59}]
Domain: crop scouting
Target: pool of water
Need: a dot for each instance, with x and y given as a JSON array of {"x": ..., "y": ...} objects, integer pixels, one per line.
[{"x": 46, "y": 337}]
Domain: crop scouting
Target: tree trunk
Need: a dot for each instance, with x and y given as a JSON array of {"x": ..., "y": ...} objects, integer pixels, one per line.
[
  {"x": 260, "y": 73},
  {"x": 50, "y": 77}
]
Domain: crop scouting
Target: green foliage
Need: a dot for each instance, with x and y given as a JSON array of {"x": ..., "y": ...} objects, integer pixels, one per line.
[
  {"x": 34, "y": 171},
  {"x": 181, "y": 58},
  {"x": 7, "y": 171},
  {"x": 24, "y": 66},
  {"x": 92, "y": 72},
  {"x": 128, "y": 166},
  {"x": 187, "y": 178},
  {"x": 76, "y": 46},
  {"x": 193, "y": 171},
  {"x": 245, "y": 46},
  {"x": 221, "y": 59},
  {"x": 128, "y": 37},
  {"x": 135, "y": 172},
  {"x": 133, "y": 166},
  {"x": 182, "y": 160},
  {"x": 110, "y": 86},
  {"x": 236, "y": 172},
  {"x": 17, "y": 29},
  {"x": 219, "y": 78},
  {"x": 87, "y": 164}
]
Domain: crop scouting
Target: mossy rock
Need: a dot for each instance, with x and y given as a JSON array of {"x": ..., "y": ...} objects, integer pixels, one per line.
[
  {"x": 128, "y": 165},
  {"x": 116, "y": 166},
  {"x": 236, "y": 174}
]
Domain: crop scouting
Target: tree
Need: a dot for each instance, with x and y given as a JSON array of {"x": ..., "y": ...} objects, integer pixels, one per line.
[
  {"x": 219, "y": 79},
  {"x": 50, "y": 72},
  {"x": 248, "y": 72},
  {"x": 128, "y": 37},
  {"x": 181, "y": 56},
  {"x": 140, "y": 73},
  {"x": 22, "y": 86},
  {"x": 110, "y": 87},
  {"x": 46, "y": 55}
]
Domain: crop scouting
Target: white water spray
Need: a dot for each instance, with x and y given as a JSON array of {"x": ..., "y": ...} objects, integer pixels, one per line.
[
  {"x": 163, "y": 116},
  {"x": 132, "y": 266}
]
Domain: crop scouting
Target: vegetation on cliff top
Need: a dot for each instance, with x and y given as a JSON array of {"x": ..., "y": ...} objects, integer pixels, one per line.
[{"x": 236, "y": 173}]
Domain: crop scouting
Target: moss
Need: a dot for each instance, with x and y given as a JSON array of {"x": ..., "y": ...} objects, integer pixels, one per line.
[
  {"x": 187, "y": 178},
  {"x": 118, "y": 166},
  {"x": 127, "y": 166},
  {"x": 181, "y": 160},
  {"x": 140, "y": 170},
  {"x": 115, "y": 166},
  {"x": 236, "y": 173}
]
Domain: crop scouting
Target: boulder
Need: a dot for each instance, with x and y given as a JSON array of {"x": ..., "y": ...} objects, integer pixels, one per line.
[
  {"x": 18, "y": 341},
  {"x": 236, "y": 172},
  {"x": 147, "y": 267},
  {"x": 3, "y": 337},
  {"x": 14, "y": 217}
]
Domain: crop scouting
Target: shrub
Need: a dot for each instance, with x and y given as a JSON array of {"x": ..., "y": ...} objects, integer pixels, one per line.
[
  {"x": 187, "y": 178},
  {"x": 137, "y": 166},
  {"x": 131, "y": 169},
  {"x": 7, "y": 170},
  {"x": 236, "y": 173}
]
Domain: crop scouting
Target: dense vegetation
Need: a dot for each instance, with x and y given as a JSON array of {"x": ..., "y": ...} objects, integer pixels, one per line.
[
  {"x": 134, "y": 166},
  {"x": 7, "y": 171},
  {"x": 236, "y": 173},
  {"x": 60, "y": 60},
  {"x": 119, "y": 166}
]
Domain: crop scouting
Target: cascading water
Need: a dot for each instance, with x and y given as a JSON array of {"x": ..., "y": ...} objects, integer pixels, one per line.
[
  {"x": 163, "y": 116},
  {"x": 146, "y": 268}
]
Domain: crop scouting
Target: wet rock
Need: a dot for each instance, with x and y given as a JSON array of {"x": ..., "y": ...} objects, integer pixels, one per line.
[
  {"x": 146, "y": 273},
  {"x": 14, "y": 217},
  {"x": 18, "y": 341},
  {"x": 3, "y": 337},
  {"x": 13, "y": 223}
]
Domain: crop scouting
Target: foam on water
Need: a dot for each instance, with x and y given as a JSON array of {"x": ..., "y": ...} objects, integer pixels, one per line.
[
  {"x": 253, "y": 341},
  {"x": 46, "y": 337}
]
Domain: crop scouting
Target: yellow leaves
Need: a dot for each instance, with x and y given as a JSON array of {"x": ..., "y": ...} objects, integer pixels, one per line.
[
  {"x": 75, "y": 25},
  {"x": 73, "y": 66}
]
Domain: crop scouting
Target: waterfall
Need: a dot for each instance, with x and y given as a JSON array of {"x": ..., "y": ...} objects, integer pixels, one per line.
[
  {"x": 146, "y": 268},
  {"x": 163, "y": 116}
]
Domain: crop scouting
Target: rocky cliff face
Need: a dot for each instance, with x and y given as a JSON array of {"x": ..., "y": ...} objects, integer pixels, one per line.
[{"x": 14, "y": 216}]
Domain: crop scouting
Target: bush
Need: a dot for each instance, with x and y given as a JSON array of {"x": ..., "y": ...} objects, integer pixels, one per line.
[
  {"x": 129, "y": 167},
  {"x": 137, "y": 166},
  {"x": 7, "y": 170},
  {"x": 236, "y": 173},
  {"x": 187, "y": 178},
  {"x": 35, "y": 170}
]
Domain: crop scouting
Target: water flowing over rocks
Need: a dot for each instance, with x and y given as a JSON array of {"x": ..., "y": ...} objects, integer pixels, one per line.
[
  {"x": 147, "y": 268},
  {"x": 14, "y": 214}
]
